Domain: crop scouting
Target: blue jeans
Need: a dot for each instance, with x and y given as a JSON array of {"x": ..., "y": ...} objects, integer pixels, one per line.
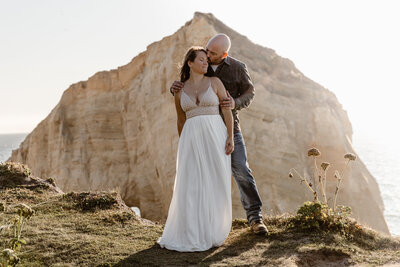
[{"x": 249, "y": 195}]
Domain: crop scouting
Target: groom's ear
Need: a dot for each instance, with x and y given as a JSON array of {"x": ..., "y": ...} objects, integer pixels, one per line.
[{"x": 225, "y": 55}]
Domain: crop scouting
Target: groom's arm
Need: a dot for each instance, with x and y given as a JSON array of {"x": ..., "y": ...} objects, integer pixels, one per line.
[{"x": 246, "y": 89}]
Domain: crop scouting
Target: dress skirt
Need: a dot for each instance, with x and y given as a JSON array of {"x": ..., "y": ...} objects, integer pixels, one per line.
[{"x": 200, "y": 212}]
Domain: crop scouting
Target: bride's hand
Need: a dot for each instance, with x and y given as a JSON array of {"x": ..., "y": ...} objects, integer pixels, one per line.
[{"x": 229, "y": 146}]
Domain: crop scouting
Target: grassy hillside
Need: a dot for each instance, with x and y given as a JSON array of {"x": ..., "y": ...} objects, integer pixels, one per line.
[{"x": 98, "y": 229}]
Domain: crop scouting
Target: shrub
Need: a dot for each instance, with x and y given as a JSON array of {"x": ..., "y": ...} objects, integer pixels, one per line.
[
  {"x": 8, "y": 256},
  {"x": 87, "y": 201}
]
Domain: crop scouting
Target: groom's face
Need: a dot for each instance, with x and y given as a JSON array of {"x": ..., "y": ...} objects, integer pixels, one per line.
[{"x": 214, "y": 55}]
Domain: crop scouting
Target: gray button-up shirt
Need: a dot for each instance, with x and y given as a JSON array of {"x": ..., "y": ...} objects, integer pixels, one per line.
[{"x": 236, "y": 79}]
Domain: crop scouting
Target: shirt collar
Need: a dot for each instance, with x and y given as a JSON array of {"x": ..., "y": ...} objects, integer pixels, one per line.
[{"x": 227, "y": 60}]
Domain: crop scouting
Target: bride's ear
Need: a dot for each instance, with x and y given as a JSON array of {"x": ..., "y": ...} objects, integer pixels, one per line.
[{"x": 189, "y": 64}]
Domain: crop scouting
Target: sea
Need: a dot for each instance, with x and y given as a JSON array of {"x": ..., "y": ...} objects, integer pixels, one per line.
[{"x": 381, "y": 159}]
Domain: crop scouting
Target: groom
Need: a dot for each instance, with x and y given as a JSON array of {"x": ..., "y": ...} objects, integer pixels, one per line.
[{"x": 236, "y": 79}]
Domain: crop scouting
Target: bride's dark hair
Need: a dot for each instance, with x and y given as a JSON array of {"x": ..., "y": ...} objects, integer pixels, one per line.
[{"x": 190, "y": 56}]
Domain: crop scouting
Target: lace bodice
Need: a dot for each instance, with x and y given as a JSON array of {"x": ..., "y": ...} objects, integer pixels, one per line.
[{"x": 208, "y": 104}]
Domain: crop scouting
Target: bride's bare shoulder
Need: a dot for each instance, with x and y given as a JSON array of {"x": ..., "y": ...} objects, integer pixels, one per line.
[
  {"x": 217, "y": 84},
  {"x": 215, "y": 79}
]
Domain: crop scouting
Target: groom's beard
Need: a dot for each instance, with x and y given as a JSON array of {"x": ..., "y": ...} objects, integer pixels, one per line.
[
  {"x": 211, "y": 63},
  {"x": 214, "y": 63}
]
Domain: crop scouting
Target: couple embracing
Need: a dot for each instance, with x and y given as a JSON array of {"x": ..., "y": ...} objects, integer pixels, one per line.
[{"x": 210, "y": 150}]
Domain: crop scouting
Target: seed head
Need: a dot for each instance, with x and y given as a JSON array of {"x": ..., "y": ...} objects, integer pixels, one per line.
[
  {"x": 27, "y": 211},
  {"x": 8, "y": 254},
  {"x": 325, "y": 165},
  {"x": 290, "y": 175},
  {"x": 350, "y": 156},
  {"x": 313, "y": 152},
  {"x": 337, "y": 175}
]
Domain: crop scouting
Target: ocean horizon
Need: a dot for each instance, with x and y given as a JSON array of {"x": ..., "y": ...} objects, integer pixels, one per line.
[{"x": 379, "y": 157}]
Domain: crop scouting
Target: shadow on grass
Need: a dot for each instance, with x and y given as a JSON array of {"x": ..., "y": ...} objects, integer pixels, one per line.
[
  {"x": 156, "y": 256},
  {"x": 280, "y": 246},
  {"x": 303, "y": 249}
]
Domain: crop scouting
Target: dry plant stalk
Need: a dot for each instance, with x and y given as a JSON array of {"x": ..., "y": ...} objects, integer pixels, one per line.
[
  {"x": 314, "y": 152},
  {"x": 324, "y": 166},
  {"x": 349, "y": 157},
  {"x": 339, "y": 179},
  {"x": 302, "y": 179}
]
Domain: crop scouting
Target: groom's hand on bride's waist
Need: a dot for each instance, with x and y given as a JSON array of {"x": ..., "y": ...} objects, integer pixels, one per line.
[{"x": 176, "y": 87}]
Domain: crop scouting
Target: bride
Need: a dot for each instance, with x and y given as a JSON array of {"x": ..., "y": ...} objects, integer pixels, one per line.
[{"x": 200, "y": 212}]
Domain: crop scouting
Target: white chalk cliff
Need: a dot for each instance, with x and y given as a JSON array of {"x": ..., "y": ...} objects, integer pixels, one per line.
[{"x": 117, "y": 130}]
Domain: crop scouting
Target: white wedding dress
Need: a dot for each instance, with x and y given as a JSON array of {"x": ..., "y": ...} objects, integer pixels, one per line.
[{"x": 200, "y": 212}]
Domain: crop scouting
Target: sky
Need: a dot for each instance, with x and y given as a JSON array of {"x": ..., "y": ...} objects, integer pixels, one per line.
[{"x": 349, "y": 47}]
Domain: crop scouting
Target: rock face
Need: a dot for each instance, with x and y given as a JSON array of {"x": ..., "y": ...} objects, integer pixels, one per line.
[{"x": 117, "y": 130}]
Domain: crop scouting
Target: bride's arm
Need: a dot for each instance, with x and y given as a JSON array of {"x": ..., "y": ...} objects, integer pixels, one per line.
[
  {"x": 179, "y": 112},
  {"x": 227, "y": 113}
]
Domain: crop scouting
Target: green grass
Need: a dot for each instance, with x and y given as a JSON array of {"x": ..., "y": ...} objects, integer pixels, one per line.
[
  {"x": 61, "y": 233},
  {"x": 98, "y": 229}
]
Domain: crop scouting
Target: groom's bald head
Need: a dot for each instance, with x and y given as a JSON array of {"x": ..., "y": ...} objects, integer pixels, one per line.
[
  {"x": 220, "y": 40},
  {"x": 218, "y": 47}
]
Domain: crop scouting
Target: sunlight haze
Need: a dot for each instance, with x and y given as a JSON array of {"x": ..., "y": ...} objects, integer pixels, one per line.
[{"x": 349, "y": 47}]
